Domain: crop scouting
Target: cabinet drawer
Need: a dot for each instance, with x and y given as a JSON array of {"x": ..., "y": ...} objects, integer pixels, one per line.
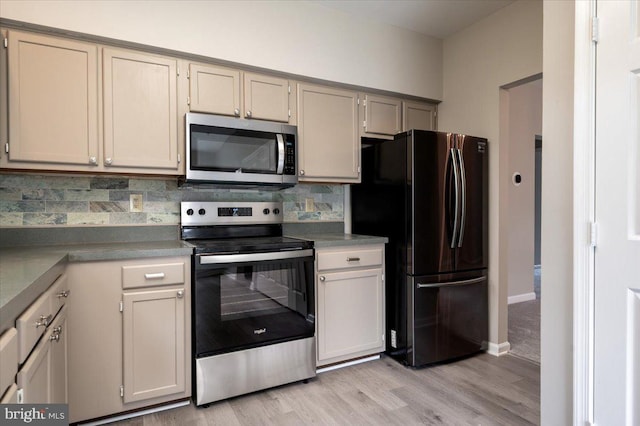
[
  {"x": 58, "y": 294},
  {"x": 353, "y": 258},
  {"x": 8, "y": 358},
  {"x": 152, "y": 275},
  {"x": 31, "y": 324}
]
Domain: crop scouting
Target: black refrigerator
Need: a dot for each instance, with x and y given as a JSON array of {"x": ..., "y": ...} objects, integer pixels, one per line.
[{"x": 427, "y": 192}]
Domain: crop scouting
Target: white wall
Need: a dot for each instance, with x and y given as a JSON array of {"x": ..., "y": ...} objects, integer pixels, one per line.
[
  {"x": 525, "y": 122},
  {"x": 289, "y": 36},
  {"x": 499, "y": 50},
  {"x": 557, "y": 213}
]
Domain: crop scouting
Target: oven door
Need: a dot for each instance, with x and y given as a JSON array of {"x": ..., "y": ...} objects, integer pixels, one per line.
[{"x": 249, "y": 300}]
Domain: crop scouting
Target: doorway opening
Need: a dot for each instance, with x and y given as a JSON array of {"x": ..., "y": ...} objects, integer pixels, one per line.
[{"x": 520, "y": 185}]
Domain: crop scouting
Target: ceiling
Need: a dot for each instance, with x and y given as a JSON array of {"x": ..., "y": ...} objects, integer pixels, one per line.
[{"x": 435, "y": 18}]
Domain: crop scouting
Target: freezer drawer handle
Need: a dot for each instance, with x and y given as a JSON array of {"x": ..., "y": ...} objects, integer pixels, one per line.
[{"x": 462, "y": 282}]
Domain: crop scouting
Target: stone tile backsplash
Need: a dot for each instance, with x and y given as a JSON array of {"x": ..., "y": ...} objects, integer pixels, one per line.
[{"x": 54, "y": 200}]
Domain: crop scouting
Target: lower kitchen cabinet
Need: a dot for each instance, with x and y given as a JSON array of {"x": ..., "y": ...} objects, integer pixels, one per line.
[
  {"x": 153, "y": 329},
  {"x": 43, "y": 378},
  {"x": 350, "y": 303},
  {"x": 129, "y": 340}
]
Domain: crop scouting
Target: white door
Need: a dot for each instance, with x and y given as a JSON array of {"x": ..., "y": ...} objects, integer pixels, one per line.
[{"x": 617, "y": 255}]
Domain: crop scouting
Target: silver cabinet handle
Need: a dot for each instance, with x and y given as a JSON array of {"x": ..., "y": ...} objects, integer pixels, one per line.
[
  {"x": 236, "y": 112},
  {"x": 93, "y": 161},
  {"x": 44, "y": 321},
  {"x": 353, "y": 259},
  {"x": 322, "y": 278},
  {"x": 64, "y": 293},
  {"x": 248, "y": 114},
  {"x": 180, "y": 294},
  {"x": 108, "y": 161},
  {"x": 55, "y": 336},
  {"x": 301, "y": 172},
  {"x": 156, "y": 276}
]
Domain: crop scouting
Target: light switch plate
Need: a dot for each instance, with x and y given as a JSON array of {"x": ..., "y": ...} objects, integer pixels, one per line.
[
  {"x": 135, "y": 203},
  {"x": 309, "y": 205}
]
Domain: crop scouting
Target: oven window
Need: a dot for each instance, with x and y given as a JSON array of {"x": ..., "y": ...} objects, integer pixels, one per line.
[
  {"x": 232, "y": 150},
  {"x": 247, "y": 305}
]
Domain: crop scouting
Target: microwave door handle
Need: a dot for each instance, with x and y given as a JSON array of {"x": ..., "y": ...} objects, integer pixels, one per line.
[{"x": 280, "y": 140}]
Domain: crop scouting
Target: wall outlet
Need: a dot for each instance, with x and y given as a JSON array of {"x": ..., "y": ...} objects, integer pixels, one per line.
[
  {"x": 309, "y": 206},
  {"x": 135, "y": 203}
]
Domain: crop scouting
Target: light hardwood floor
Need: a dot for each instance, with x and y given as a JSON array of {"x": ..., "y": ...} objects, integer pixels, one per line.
[{"x": 480, "y": 390}]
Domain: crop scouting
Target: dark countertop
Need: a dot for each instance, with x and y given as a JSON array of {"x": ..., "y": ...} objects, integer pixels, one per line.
[
  {"x": 325, "y": 240},
  {"x": 26, "y": 272}
]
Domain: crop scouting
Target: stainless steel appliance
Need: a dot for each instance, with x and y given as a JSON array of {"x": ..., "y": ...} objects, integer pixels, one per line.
[
  {"x": 253, "y": 299},
  {"x": 427, "y": 192},
  {"x": 249, "y": 153}
]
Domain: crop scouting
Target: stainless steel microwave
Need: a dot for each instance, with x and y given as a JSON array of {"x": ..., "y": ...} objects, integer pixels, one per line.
[{"x": 244, "y": 153}]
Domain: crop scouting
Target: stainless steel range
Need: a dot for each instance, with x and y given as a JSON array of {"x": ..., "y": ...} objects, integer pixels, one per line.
[{"x": 253, "y": 299}]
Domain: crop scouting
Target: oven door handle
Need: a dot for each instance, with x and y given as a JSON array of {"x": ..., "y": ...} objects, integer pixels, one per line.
[{"x": 208, "y": 259}]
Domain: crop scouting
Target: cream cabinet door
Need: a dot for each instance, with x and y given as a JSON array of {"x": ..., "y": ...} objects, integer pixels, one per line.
[
  {"x": 53, "y": 103},
  {"x": 34, "y": 378},
  {"x": 214, "y": 90},
  {"x": 154, "y": 343},
  {"x": 417, "y": 115},
  {"x": 381, "y": 116},
  {"x": 140, "y": 112},
  {"x": 266, "y": 97},
  {"x": 350, "y": 318},
  {"x": 57, "y": 336},
  {"x": 328, "y": 140}
]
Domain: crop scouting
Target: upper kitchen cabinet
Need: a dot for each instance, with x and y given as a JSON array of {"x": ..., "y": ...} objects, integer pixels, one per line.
[
  {"x": 328, "y": 140},
  {"x": 267, "y": 98},
  {"x": 225, "y": 91},
  {"x": 52, "y": 102},
  {"x": 418, "y": 115},
  {"x": 140, "y": 112},
  {"x": 54, "y": 91},
  {"x": 381, "y": 116},
  {"x": 214, "y": 90}
]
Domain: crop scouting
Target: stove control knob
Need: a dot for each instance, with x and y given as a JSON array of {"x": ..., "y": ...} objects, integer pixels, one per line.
[
  {"x": 201, "y": 212},
  {"x": 276, "y": 211},
  {"x": 190, "y": 212},
  {"x": 266, "y": 211}
]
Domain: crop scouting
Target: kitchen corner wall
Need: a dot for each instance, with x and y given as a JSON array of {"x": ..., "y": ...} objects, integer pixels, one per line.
[{"x": 60, "y": 200}]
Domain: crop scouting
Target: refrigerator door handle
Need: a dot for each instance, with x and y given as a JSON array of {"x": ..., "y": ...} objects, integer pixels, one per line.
[
  {"x": 457, "y": 206},
  {"x": 463, "y": 197},
  {"x": 452, "y": 283}
]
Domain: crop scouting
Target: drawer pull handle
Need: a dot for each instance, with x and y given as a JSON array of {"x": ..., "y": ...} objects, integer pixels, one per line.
[
  {"x": 322, "y": 278},
  {"x": 56, "y": 334},
  {"x": 44, "y": 321},
  {"x": 64, "y": 293},
  {"x": 353, "y": 259},
  {"x": 180, "y": 294},
  {"x": 157, "y": 276}
]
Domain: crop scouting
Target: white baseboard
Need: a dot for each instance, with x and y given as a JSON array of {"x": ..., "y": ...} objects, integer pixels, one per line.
[
  {"x": 499, "y": 349},
  {"x": 524, "y": 297}
]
